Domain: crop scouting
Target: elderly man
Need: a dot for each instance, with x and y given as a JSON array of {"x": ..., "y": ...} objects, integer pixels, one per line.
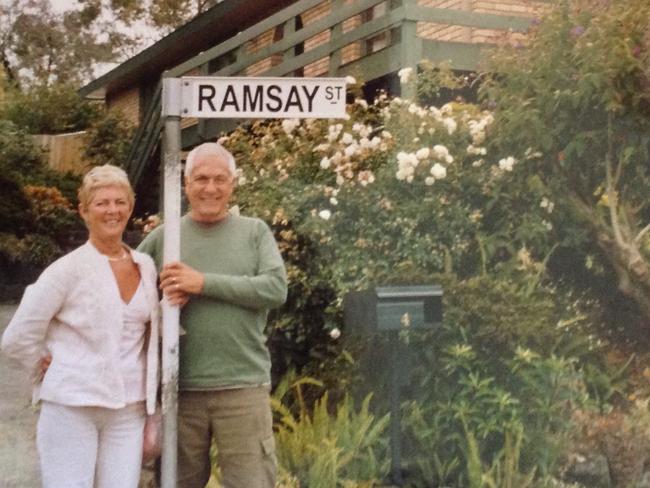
[{"x": 231, "y": 273}]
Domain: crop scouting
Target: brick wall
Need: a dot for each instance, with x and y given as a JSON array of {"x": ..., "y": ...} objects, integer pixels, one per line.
[
  {"x": 321, "y": 66},
  {"x": 254, "y": 45},
  {"x": 517, "y": 8},
  {"x": 349, "y": 53},
  {"x": 127, "y": 102},
  {"x": 442, "y": 32}
]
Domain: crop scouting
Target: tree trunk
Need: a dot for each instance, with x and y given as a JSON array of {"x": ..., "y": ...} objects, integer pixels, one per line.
[
  {"x": 622, "y": 251},
  {"x": 632, "y": 270}
]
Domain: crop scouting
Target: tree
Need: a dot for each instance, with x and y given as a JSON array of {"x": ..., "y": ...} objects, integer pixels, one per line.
[
  {"x": 108, "y": 139},
  {"x": 160, "y": 14},
  {"x": 171, "y": 14},
  {"x": 39, "y": 46},
  {"x": 50, "y": 109},
  {"x": 578, "y": 92}
]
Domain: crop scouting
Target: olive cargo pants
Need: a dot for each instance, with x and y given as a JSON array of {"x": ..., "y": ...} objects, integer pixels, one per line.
[{"x": 241, "y": 422}]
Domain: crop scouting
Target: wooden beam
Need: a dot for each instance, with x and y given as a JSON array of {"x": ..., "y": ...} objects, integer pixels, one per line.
[
  {"x": 463, "y": 56},
  {"x": 410, "y": 48},
  {"x": 466, "y": 18},
  {"x": 336, "y": 31},
  {"x": 375, "y": 65},
  {"x": 190, "y": 136}
]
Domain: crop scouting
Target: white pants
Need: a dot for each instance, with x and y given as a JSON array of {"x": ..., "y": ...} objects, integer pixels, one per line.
[{"x": 90, "y": 447}]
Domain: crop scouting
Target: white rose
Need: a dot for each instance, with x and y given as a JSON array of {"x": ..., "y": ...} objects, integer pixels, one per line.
[
  {"x": 507, "y": 164},
  {"x": 347, "y": 138},
  {"x": 405, "y": 75},
  {"x": 438, "y": 171},
  {"x": 422, "y": 153},
  {"x": 289, "y": 125}
]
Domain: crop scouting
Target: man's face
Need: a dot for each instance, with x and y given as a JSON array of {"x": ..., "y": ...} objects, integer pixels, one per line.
[{"x": 209, "y": 189}]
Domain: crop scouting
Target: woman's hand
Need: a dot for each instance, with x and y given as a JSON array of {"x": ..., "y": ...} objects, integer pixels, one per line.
[{"x": 43, "y": 365}]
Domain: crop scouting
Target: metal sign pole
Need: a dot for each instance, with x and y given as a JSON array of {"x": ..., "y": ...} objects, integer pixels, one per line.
[{"x": 171, "y": 96}]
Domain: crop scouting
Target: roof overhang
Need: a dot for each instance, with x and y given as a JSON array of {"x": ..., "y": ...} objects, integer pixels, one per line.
[{"x": 214, "y": 26}]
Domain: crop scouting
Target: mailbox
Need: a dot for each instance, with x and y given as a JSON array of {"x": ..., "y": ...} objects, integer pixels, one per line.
[{"x": 393, "y": 308}]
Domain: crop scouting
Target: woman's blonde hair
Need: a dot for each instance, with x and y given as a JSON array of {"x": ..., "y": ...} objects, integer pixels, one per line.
[{"x": 103, "y": 176}]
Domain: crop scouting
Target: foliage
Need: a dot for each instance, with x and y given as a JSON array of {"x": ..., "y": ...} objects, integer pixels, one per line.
[
  {"x": 405, "y": 193},
  {"x": 38, "y": 221},
  {"x": 40, "y": 46},
  {"x": 162, "y": 15},
  {"x": 323, "y": 448},
  {"x": 51, "y": 109},
  {"x": 577, "y": 92},
  {"x": 171, "y": 14},
  {"x": 108, "y": 140},
  {"x": 504, "y": 472},
  {"x": 398, "y": 188},
  {"x": 38, "y": 217},
  {"x": 472, "y": 397},
  {"x": 33, "y": 249},
  {"x": 53, "y": 213}
]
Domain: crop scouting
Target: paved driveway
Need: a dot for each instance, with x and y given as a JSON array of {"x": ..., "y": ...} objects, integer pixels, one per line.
[{"x": 18, "y": 459}]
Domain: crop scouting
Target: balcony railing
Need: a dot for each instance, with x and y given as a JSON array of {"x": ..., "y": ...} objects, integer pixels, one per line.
[{"x": 393, "y": 21}]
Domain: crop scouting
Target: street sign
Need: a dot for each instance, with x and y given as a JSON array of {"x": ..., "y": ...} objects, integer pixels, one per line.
[{"x": 273, "y": 98}]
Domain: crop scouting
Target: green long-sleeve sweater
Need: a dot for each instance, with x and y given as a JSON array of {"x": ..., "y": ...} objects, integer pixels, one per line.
[{"x": 224, "y": 344}]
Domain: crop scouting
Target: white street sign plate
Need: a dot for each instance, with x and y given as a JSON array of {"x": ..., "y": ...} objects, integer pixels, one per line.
[{"x": 251, "y": 97}]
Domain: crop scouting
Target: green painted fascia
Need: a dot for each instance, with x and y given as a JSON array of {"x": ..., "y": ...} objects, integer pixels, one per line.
[
  {"x": 466, "y": 18},
  {"x": 462, "y": 55}
]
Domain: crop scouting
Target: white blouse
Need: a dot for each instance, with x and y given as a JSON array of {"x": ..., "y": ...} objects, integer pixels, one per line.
[
  {"x": 75, "y": 313},
  {"x": 132, "y": 351}
]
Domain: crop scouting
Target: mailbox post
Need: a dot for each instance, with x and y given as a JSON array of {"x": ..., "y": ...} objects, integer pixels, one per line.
[{"x": 392, "y": 310}]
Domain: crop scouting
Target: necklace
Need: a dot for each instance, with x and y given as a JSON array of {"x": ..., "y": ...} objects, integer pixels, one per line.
[{"x": 119, "y": 258}]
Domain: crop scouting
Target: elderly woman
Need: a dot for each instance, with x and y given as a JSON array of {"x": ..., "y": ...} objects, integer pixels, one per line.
[{"x": 88, "y": 331}]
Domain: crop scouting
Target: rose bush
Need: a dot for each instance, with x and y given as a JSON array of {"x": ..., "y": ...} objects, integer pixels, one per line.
[{"x": 407, "y": 193}]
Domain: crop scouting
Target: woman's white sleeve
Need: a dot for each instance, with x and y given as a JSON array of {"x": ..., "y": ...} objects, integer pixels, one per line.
[{"x": 24, "y": 338}]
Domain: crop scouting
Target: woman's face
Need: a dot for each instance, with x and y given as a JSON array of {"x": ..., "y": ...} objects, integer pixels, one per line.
[{"x": 107, "y": 213}]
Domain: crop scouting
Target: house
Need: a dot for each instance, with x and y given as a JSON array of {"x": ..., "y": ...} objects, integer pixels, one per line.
[{"x": 368, "y": 39}]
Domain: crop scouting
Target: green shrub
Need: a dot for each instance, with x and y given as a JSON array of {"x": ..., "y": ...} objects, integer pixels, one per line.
[
  {"x": 46, "y": 109},
  {"x": 329, "y": 446},
  {"x": 403, "y": 193},
  {"x": 39, "y": 215}
]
